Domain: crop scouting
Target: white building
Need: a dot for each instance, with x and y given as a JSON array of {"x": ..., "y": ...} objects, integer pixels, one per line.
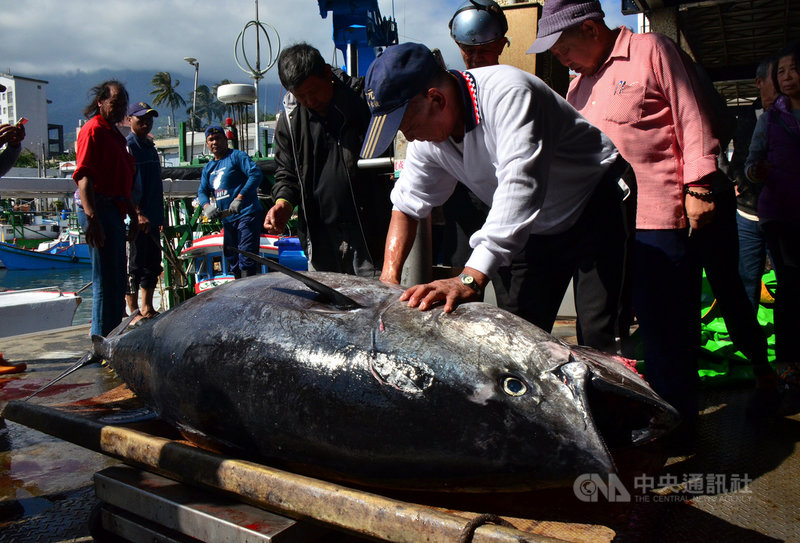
[{"x": 26, "y": 97}]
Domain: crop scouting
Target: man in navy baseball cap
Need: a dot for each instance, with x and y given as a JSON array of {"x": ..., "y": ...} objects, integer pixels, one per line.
[
  {"x": 393, "y": 79},
  {"x": 140, "y": 109},
  {"x": 214, "y": 129},
  {"x": 549, "y": 177}
]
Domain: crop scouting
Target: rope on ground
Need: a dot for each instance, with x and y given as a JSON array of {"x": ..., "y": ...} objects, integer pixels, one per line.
[{"x": 468, "y": 531}]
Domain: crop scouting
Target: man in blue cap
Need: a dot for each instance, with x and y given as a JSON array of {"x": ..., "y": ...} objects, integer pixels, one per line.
[
  {"x": 550, "y": 177},
  {"x": 144, "y": 251},
  {"x": 232, "y": 180}
]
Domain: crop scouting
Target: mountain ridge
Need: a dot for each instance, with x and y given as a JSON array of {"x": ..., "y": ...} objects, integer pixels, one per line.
[{"x": 68, "y": 95}]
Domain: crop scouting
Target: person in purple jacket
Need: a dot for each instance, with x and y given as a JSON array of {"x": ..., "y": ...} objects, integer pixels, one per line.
[{"x": 772, "y": 161}]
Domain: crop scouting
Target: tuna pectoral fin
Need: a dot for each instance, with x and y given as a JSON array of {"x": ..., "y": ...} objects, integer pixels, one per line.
[
  {"x": 332, "y": 296},
  {"x": 95, "y": 355}
]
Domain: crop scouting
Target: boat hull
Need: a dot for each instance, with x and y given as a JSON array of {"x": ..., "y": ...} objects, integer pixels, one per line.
[
  {"x": 27, "y": 311},
  {"x": 15, "y": 258}
]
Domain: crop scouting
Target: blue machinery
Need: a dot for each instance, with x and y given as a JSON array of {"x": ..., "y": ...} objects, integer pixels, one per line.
[{"x": 359, "y": 31}]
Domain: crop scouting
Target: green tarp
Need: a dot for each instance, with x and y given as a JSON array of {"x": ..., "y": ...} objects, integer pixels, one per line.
[{"x": 720, "y": 361}]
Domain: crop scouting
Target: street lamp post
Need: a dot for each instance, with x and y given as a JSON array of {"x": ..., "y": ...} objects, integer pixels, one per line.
[{"x": 193, "y": 62}]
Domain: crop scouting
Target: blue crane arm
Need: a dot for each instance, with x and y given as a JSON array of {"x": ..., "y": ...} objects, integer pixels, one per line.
[{"x": 359, "y": 31}]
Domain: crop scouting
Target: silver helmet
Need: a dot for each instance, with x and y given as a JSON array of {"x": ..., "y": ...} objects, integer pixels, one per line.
[{"x": 477, "y": 22}]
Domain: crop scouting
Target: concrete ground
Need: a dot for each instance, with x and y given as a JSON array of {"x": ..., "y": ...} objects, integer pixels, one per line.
[{"x": 740, "y": 486}]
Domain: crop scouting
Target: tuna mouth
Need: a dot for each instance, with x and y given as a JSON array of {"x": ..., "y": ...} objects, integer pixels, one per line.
[
  {"x": 624, "y": 411},
  {"x": 624, "y": 418}
]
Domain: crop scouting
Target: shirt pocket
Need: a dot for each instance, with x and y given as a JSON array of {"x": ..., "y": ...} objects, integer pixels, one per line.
[{"x": 624, "y": 105}]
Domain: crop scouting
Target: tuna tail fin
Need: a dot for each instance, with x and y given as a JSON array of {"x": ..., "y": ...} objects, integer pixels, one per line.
[
  {"x": 98, "y": 353},
  {"x": 333, "y": 296},
  {"x": 85, "y": 360}
]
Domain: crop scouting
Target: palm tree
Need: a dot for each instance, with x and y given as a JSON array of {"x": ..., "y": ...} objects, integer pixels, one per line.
[
  {"x": 204, "y": 107},
  {"x": 164, "y": 93}
]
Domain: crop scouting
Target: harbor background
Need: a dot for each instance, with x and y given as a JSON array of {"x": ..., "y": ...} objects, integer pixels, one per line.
[{"x": 66, "y": 280}]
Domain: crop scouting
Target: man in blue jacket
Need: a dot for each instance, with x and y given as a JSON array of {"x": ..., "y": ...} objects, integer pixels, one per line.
[
  {"x": 144, "y": 251},
  {"x": 232, "y": 180}
]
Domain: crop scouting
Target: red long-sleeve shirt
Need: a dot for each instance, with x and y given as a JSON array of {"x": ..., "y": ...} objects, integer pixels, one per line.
[{"x": 103, "y": 157}]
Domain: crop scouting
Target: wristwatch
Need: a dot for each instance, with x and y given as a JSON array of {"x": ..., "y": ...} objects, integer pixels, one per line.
[{"x": 470, "y": 281}]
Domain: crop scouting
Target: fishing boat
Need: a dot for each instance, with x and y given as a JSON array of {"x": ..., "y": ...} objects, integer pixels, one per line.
[
  {"x": 27, "y": 229},
  {"x": 68, "y": 251},
  {"x": 210, "y": 267},
  {"x": 35, "y": 310}
]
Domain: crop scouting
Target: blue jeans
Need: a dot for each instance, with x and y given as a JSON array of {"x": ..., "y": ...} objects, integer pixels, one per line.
[
  {"x": 109, "y": 270},
  {"x": 244, "y": 233},
  {"x": 666, "y": 298},
  {"x": 752, "y": 257}
]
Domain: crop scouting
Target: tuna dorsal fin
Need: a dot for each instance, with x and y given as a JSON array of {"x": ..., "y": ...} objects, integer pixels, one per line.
[{"x": 333, "y": 296}]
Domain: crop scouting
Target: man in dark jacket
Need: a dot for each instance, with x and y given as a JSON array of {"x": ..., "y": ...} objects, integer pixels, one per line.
[
  {"x": 343, "y": 212},
  {"x": 752, "y": 244}
]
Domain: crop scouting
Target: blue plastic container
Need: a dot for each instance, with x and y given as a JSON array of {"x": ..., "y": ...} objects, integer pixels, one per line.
[
  {"x": 291, "y": 244},
  {"x": 295, "y": 260},
  {"x": 291, "y": 254}
]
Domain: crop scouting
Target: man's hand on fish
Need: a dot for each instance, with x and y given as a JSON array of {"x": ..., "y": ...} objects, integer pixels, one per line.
[{"x": 452, "y": 291}]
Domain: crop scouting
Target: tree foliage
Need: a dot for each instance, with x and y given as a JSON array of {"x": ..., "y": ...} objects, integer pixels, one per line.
[
  {"x": 164, "y": 92},
  {"x": 27, "y": 159},
  {"x": 207, "y": 107}
]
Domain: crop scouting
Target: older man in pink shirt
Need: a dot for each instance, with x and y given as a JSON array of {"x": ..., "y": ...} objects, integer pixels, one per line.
[{"x": 638, "y": 89}]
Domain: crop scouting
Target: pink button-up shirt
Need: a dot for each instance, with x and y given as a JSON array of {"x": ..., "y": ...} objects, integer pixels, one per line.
[{"x": 646, "y": 99}]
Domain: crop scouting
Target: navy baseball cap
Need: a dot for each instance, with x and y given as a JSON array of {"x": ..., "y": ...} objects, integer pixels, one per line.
[
  {"x": 140, "y": 109},
  {"x": 393, "y": 79},
  {"x": 214, "y": 129}
]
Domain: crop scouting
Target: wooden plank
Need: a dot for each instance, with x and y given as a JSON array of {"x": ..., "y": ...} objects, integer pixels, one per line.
[{"x": 286, "y": 493}]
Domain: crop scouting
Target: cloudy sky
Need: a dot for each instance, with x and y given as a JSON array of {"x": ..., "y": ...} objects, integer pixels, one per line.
[{"x": 42, "y": 38}]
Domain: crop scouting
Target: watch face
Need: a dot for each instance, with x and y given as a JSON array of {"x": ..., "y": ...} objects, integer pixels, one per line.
[{"x": 469, "y": 281}]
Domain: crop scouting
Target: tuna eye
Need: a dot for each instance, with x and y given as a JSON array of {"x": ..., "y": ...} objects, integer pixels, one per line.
[{"x": 514, "y": 386}]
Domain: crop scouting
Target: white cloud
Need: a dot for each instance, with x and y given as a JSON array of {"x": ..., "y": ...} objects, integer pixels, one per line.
[{"x": 43, "y": 37}]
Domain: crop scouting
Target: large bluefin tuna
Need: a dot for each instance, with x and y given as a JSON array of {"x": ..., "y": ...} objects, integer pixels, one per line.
[{"x": 382, "y": 394}]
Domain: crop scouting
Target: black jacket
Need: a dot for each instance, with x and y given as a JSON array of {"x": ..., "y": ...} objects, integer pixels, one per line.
[
  {"x": 324, "y": 199},
  {"x": 747, "y": 200}
]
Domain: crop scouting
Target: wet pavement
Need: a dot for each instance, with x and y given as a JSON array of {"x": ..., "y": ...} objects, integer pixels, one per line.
[
  {"x": 740, "y": 486},
  {"x": 46, "y": 490}
]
